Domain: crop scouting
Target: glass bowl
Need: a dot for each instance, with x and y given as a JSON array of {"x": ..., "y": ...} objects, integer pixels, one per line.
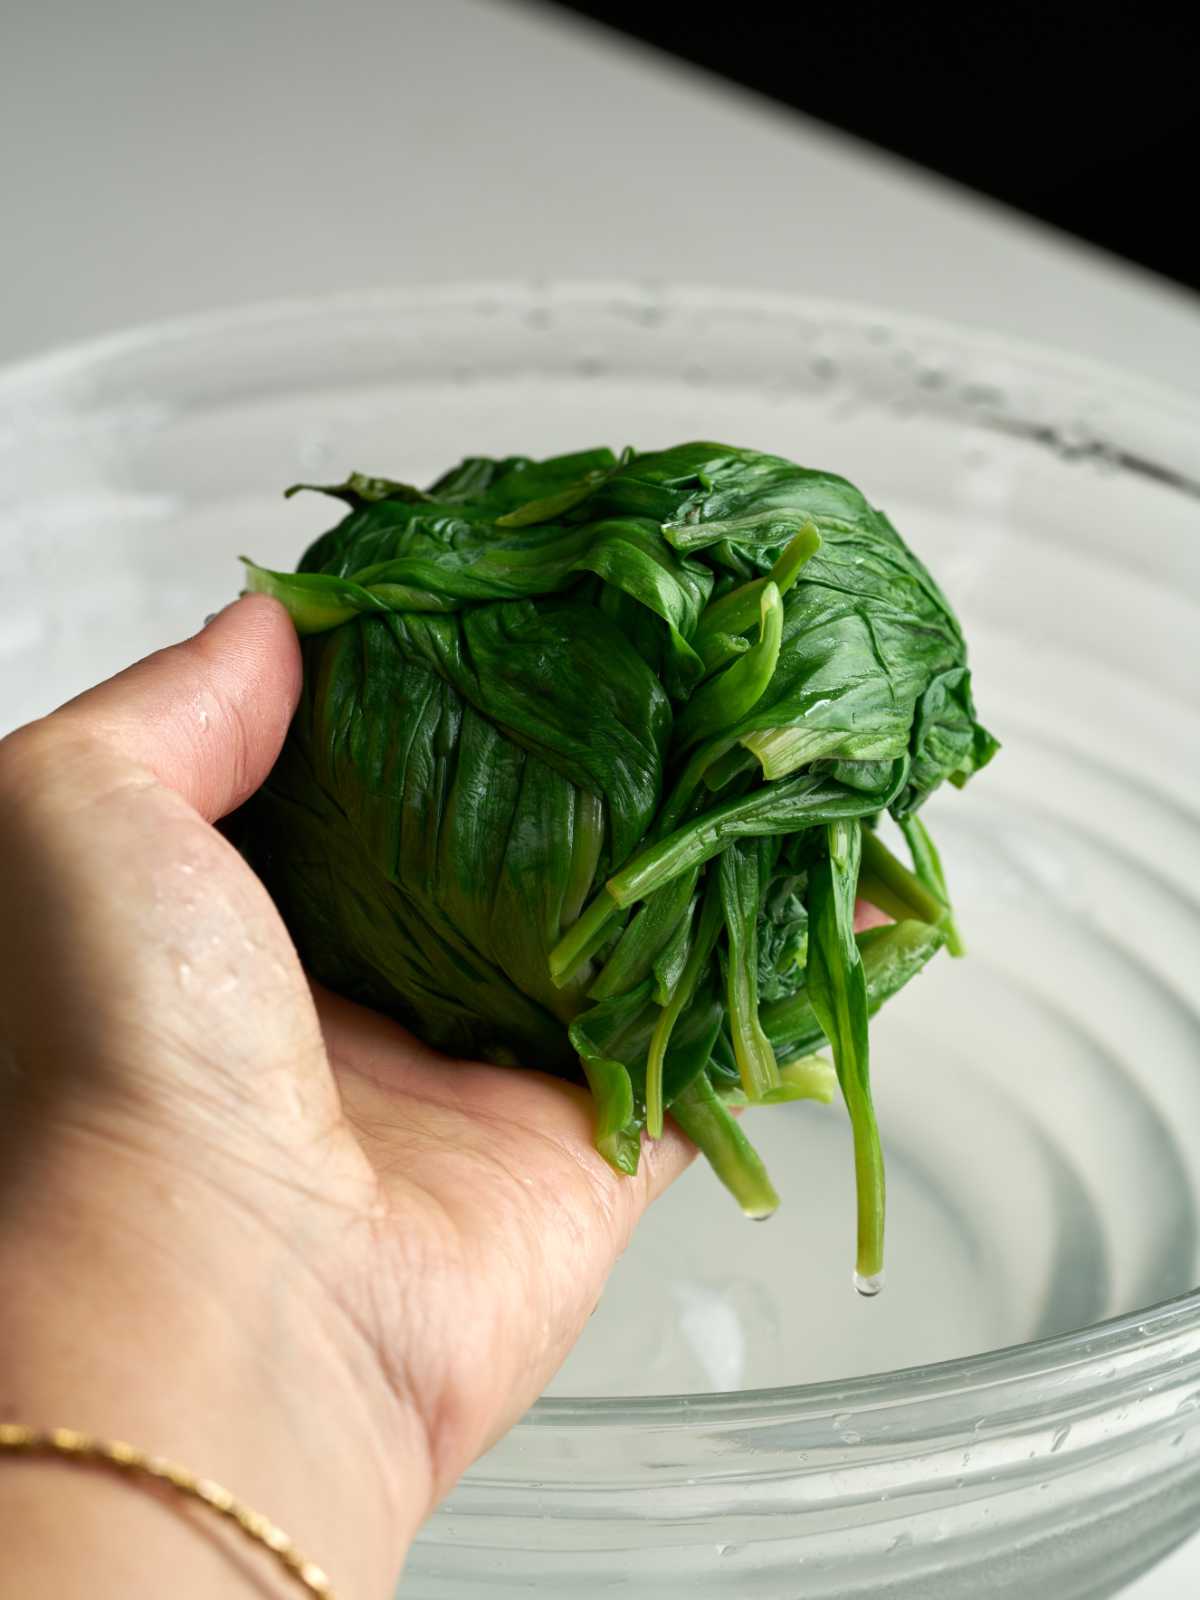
[{"x": 1019, "y": 1413}]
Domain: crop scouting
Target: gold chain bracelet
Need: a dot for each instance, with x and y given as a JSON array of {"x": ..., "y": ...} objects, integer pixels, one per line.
[{"x": 17, "y": 1439}]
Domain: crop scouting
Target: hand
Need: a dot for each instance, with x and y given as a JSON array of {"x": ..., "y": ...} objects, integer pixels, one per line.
[{"x": 259, "y": 1230}]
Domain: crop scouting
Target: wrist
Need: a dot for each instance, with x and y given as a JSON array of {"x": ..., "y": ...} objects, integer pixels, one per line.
[{"x": 146, "y": 1304}]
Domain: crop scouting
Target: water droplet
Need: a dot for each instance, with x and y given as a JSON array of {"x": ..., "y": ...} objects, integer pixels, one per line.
[
  {"x": 184, "y": 972},
  {"x": 1189, "y": 1402},
  {"x": 842, "y": 1422},
  {"x": 900, "y": 1542},
  {"x": 1061, "y": 1435},
  {"x": 868, "y": 1284},
  {"x": 1177, "y": 1440}
]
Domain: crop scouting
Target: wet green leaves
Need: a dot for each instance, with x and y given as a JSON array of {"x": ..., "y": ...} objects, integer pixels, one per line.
[{"x": 586, "y": 771}]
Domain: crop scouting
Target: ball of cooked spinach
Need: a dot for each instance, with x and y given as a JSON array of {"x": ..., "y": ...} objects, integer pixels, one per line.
[{"x": 585, "y": 775}]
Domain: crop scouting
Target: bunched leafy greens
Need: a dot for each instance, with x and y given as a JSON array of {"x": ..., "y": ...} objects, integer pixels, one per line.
[{"x": 585, "y": 775}]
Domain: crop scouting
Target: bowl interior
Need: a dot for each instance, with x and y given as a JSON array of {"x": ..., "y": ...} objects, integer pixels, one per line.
[{"x": 1039, "y": 1101}]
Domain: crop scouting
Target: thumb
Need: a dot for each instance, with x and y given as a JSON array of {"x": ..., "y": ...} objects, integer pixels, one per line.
[{"x": 207, "y": 716}]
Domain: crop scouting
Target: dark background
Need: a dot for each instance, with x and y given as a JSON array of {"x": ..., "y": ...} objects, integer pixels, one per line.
[{"x": 1087, "y": 118}]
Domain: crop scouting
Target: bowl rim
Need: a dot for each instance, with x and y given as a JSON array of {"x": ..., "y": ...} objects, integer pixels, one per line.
[
  {"x": 72, "y": 357},
  {"x": 1158, "y": 1325},
  {"x": 1006, "y": 1368}
]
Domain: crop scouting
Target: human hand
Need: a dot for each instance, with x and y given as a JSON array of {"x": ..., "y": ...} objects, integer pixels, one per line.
[{"x": 260, "y": 1230}]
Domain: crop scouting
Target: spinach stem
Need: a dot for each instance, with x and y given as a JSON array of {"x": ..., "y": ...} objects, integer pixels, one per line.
[
  {"x": 582, "y": 939},
  {"x": 888, "y": 884},
  {"x": 725, "y": 699},
  {"x": 868, "y": 1183},
  {"x": 738, "y": 610},
  {"x": 705, "y": 1119},
  {"x": 927, "y": 864},
  {"x": 707, "y": 929}
]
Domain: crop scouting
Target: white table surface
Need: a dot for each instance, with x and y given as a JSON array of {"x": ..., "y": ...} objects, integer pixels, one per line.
[{"x": 158, "y": 158}]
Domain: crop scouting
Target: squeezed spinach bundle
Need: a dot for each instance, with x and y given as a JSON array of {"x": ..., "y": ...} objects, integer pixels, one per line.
[{"x": 585, "y": 773}]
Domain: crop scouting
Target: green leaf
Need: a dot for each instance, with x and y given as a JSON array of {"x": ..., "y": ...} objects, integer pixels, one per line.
[
  {"x": 671, "y": 960},
  {"x": 551, "y": 506},
  {"x": 947, "y": 742},
  {"x": 563, "y": 683},
  {"x": 361, "y": 490},
  {"x": 617, "y": 1133},
  {"x": 314, "y": 603}
]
